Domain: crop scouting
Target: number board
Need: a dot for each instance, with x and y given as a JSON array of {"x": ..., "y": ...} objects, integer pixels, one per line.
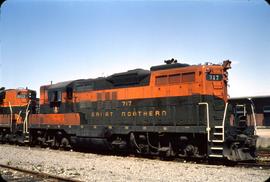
[{"x": 214, "y": 77}]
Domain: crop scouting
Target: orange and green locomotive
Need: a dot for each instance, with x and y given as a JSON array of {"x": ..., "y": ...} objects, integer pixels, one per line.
[
  {"x": 15, "y": 106},
  {"x": 170, "y": 110}
]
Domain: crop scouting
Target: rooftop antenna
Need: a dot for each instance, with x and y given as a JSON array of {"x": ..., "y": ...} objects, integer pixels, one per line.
[{"x": 170, "y": 61}]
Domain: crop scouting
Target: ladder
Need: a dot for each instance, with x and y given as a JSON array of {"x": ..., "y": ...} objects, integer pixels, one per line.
[
  {"x": 218, "y": 137},
  {"x": 215, "y": 137},
  {"x": 216, "y": 143}
]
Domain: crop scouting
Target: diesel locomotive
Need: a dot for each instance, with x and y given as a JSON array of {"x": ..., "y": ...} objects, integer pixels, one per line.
[{"x": 170, "y": 110}]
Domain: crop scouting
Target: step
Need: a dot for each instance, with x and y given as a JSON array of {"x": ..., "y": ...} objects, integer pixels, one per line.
[
  {"x": 216, "y": 148},
  {"x": 215, "y": 155},
  {"x": 218, "y": 133},
  {"x": 217, "y": 141},
  {"x": 218, "y": 126}
]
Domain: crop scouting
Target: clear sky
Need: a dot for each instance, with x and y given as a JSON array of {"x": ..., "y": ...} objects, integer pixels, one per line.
[{"x": 65, "y": 40}]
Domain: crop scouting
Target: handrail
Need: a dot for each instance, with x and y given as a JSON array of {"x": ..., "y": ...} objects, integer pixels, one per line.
[
  {"x": 223, "y": 121},
  {"x": 28, "y": 105},
  {"x": 254, "y": 117},
  {"x": 207, "y": 119},
  {"x": 25, "y": 122}
]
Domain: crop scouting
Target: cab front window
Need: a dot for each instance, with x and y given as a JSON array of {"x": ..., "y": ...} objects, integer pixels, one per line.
[{"x": 22, "y": 95}]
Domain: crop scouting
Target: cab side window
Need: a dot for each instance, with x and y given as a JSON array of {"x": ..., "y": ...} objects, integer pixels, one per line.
[
  {"x": 55, "y": 96},
  {"x": 69, "y": 93}
]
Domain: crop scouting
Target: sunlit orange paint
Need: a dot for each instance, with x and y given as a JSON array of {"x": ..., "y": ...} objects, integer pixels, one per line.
[
  {"x": 55, "y": 119},
  {"x": 15, "y": 98},
  {"x": 6, "y": 118},
  {"x": 199, "y": 86}
]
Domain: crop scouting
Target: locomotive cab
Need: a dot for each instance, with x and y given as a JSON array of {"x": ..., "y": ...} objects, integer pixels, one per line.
[
  {"x": 17, "y": 99},
  {"x": 56, "y": 98}
]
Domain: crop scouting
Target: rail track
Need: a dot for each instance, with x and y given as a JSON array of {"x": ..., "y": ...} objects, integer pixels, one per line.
[
  {"x": 265, "y": 154},
  {"x": 39, "y": 175},
  {"x": 257, "y": 164}
]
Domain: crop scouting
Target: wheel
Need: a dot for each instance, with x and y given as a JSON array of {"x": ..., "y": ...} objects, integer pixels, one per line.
[{"x": 65, "y": 144}]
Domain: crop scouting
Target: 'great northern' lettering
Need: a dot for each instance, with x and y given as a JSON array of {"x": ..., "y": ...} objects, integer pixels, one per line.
[
  {"x": 151, "y": 113},
  {"x": 155, "y": 113}
]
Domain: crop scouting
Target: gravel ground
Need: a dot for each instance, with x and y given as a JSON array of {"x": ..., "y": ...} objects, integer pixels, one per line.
[
  {"x": 11, "y": 175},
  {"x": 93, "y": 167}
]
